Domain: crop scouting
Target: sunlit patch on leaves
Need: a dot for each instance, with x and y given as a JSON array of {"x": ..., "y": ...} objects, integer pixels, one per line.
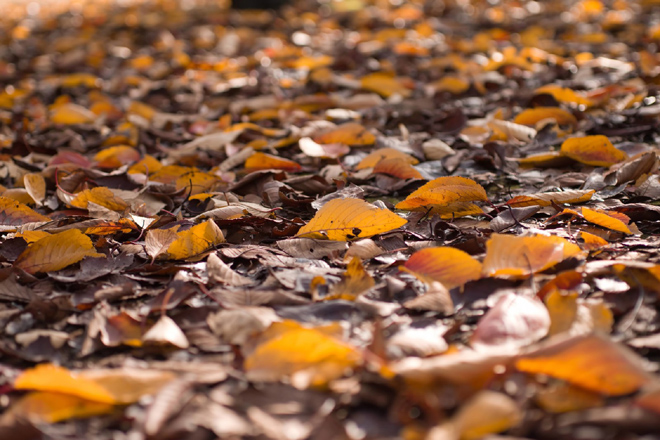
[
  {"x": 348, "y": 219},
  {"x": 447, "y": 196}
]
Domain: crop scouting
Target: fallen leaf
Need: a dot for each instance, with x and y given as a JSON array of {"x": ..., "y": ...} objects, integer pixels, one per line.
[
  {"x": 356, "y": 281},
  {"x": 533, "y": 116},
  {"x": 13, "y": 213},
  {"x": 56, "y": 252},
  {"x": 262, "y": 161},
  {"x": 350, "y": 133},
  {"x": 372, "y": 159},
  {"x": 71, "y": 114},
  {"x": 347, "y": 219},
  {"x": 315, "y": 354},
  {"x": 592, "y": 362},
  {"x": 35, "y": 185},
  {"x": 547, "y": 199},
  {"x": 397, "y": 168},
  {"x": 448, "y": 196},
  {"x": 195, "y": 241},
  {"x": 385, "y": 85},
  {"x": 508, "y": 255},
  {"x": 449, "y": 266},
  {"x": 47, "y": 407},
  {"x": 158, "y": 241},
  {"x": 595, "y": 150},
  {"x": 606, "y": 221},
  {"x": 99, "y": 195}
]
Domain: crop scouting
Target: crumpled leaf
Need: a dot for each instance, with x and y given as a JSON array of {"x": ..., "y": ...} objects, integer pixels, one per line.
[
  {"x": 195, "y": 241},
  {"x": 347, "y": 219},
  {"x": 595, "y": 150},
  {"x": 56, "y": 252},
  {"x": 449, "y": 266},
  {"x": 315, "y": 355},
  {"x": 509, "y": 255}
]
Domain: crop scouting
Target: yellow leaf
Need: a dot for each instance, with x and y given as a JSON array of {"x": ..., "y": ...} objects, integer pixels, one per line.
[
  {"x": 508, "y": 255},
  {"x": 450, "y": 266},
  {"x": 196, "y": 182},
  {"x": 548, "y": 198},
  {"x": 565, "y": 95},
  {"x": 592, "y": 242},
  {"x": 347, "y": 219},
  {"x": 488, "y": 412},
  {"x": 451, "y": 196},
  {"x": 13, "y": 213},
  {"x": 33, "y": 236},
  {"x": 70, "y": 114},
  {"x": 47, "y": 407},
  {"x": 452, "y": 84},
  {"x": 80, "y": 79},
  {"x": 605, "y": 220},
  {"x": 385, "y": 85},
  {"x": 262, "y": 161},
  {"x": 195, "y": 241},
  {"x": 385, "y": 153},
  {"x": 350, "y": 133},
  {"x": 49, "y": 377},
  {"x": 56, "y": 252},
  {"x": 117, "y": 156},
  {"x": 314, "y": 354},
  {"x": 533, "y": 116},
  {"x": 397, "y": 168},
  {"x": 563, "y": 309},
  {"x": 356, "y": 280},
  {"x": 596, "y": 150},
  {"x": 101, "y": 196},
  {"x": 592, "y": 362}
]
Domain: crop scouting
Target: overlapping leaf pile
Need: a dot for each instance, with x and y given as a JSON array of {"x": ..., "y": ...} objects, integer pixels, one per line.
[{"x": 359, "y": 219}]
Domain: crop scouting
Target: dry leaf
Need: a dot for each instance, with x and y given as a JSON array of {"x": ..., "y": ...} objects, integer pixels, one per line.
[
  {"x": 449, "y": 266},
  {"x": 35, "y": 185},
  {"x": 596, "y": 150},
  {"x": 101, "y": 196},
  {"x": 13, "y": 213},
  {"x": 508, "y": 255},
  {"x": 347, "y": 219},
  {"x": 350, "y": 133},
  {"x": 397, "y": 168},
  {"x": 448, "y": 196},
  {"x": 158, "y": 241},
  {"x": 548, "y": 198},
  {"x": 372, "y": 159},
  {"x": 533, "y": 116},
  {"x": 385, "y": 85},
  {"x": 262, "y": 161},
  {"x": 56, "y": 252},
  {"x": 606, "y": 221},
  {"x": 195, "y": 241},
  {"x": 220, "y": 272}
]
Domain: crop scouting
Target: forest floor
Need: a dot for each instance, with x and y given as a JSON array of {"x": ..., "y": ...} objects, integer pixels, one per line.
[{"x": 340, "y": 220}]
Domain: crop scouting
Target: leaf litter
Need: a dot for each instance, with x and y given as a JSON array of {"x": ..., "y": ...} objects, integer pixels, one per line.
[{"x": 360, "y": 219}]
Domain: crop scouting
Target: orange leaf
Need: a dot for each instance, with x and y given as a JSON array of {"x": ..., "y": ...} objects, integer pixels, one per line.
[
  {"x": 565, "y": 95},
  {"x": 397, "y": 168},
  {"x": 592, "y": 362},
  {"x": 548, "y": 198},
  {"x": 195, "y": 241},
  {"x": 314, "y": 355},
  {"x": 13, "y": 213},
  {"x": 385, "y": 153},
  {"x": 356, "y": 280},
  {"x": 596, "y": 150},
  {"x": 446, "y": 195},
  {"x": 592, "y": 242},
  {"x": 385, "y": 85},
  {"x": 567, "y": 280},
  {"x": 533, "y": 116},
  {"x": 70, "y": 114},
  {"x": 508, "y": 255},
  {"x": 262, "y": 161},
  {"x": 347, "y": 219},
  {"x": 56, "y": 252},
  {"x": 47, "y": 407},
  {"x": 197, "y": 182},
  {"x": 553, "y": 159},
  {"x": 563, "y": 397},
  {"x": 452, "y": 84},
  {"x": 606, "y": 221},
  {"x": 450, "y": 266},
  {"x": 350, "y": 133},
  {"x": 48, "y": 377},
  {"x": 101, "y": 196},
  {"x": 117, "y": 156}
]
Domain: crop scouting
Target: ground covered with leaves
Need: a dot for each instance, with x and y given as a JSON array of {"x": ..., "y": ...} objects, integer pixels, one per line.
[{"x": 346, "y": 220}]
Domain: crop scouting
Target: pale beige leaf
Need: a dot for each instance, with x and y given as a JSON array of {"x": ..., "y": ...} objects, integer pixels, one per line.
[
  {"x": 35, "y": 185},
  {"x": 158, "y": 240},
  {"x": 220, "y": 272}
]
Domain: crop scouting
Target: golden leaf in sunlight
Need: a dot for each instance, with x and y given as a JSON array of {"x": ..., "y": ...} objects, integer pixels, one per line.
[
  {"x": 35, "y": 185},
  {"x": 565, "y": 95},
  {"x": 595, "y": 150},
  {"x": 376, "y": 156},
  {"x": 195, "y": 241},
  {"x": 196, "y": 182},
  {"x": 13, "y": 213},
  {"x": 48, "y": 377},
  {"x": 117, "y": 156},
  {"x": 509, "y": 255},
  {"x": 397, "y": 168},
  {"x": 147, "y": 166},
  {"x": 348, "y": 219},
  {"x": 56, "y": 252},
  {"x": 592, "y": 242},
  {"x": 452, "y": 84},
  {"x": 592, "y": 362},
  {"x": 33, "y": 236},
  {"x": 385, "y": 85},
  {"x": 533, "y": 116},
  {"x": 548, "y": 198},
  {"x": 71, "y": 114},
  {"x": 606, "y": 221},
  {"x": 563, "y": 309},
  {"x": 99, "y": 195},
  {"x": 313, "y": 356},
  {"x": 545, "y": 160},
  {"x": 350, "y": 133},
  {"x": 356, "y": 280},
  {"x": 448, "y": 196},
  {"x": 47, "y": 407},
  {"x": 263, "y": 161},
  {"x": 450, "y": 266}
]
